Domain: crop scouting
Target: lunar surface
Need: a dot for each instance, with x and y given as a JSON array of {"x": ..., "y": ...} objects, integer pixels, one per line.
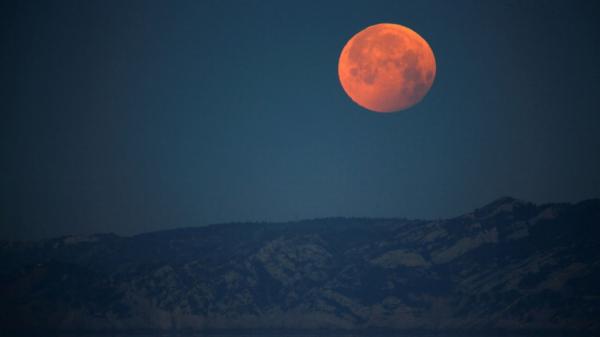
[{"x": 386, "y": 68}]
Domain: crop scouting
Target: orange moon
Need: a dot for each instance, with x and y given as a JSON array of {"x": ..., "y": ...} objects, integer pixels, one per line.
[{"x": 386, "y": 67}]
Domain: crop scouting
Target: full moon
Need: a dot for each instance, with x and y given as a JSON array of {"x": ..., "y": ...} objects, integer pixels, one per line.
[{"x": 386, "y": 68}]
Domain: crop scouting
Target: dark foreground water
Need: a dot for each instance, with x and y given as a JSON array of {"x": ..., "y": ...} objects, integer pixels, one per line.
[{"x": 299, "y": 334}]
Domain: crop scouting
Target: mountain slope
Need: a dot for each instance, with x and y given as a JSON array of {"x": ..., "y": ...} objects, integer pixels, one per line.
[{"x": 510, "y": 265}]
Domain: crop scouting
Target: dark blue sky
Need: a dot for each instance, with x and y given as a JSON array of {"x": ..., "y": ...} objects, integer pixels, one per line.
[{"x": 130, "y": 116}]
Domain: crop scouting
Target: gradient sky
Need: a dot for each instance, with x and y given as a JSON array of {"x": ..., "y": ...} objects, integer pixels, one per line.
[{"x": 131, "y": 116}]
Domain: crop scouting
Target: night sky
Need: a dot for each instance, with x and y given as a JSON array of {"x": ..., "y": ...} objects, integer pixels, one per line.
[{"x": 132, "y": 116}]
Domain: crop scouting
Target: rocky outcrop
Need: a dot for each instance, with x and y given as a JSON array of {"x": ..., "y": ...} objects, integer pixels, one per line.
[{"x": 510, "y": 265}]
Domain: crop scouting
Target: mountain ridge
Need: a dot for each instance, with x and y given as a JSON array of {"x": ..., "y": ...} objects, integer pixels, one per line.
[
  {"x": 510, "y": 265},
  {"x": 495, "y": 202}
]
